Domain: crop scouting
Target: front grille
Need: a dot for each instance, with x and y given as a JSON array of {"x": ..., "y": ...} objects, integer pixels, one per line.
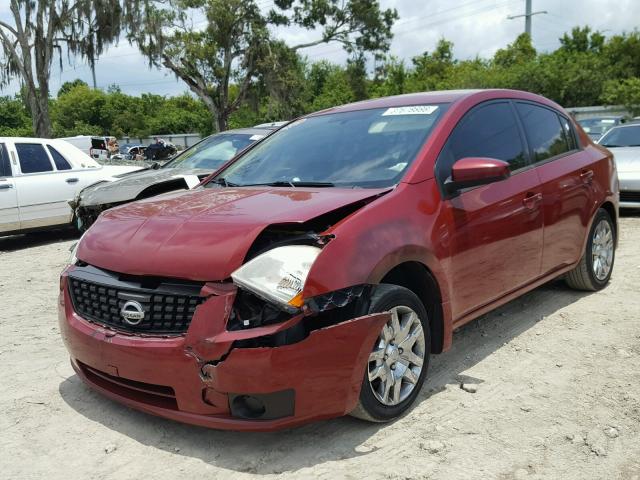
[
  {"x": 99, "y": 296},
  {"x": 630, "y": 196}
]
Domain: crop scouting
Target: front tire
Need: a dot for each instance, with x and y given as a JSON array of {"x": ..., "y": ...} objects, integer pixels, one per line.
[
  {"x": 399, "y": 359},
  {"x": 596, "y": 265}
]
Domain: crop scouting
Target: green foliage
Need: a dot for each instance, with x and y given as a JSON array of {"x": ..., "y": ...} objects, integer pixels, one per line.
[
  {"x": 623, "y": 92},
  {"x": 14, "y": 118}
]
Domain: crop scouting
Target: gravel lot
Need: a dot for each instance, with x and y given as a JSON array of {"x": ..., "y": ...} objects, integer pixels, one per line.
[{"x": 558, "y": 396}]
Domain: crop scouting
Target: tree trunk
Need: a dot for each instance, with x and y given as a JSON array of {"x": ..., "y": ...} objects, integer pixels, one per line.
[{"x": 222, "y": 121}]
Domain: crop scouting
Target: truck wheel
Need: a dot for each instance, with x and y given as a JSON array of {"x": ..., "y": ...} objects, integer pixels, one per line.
[
  {"x": 398, "y": 362},
  {"x": 595, "y": 267}
]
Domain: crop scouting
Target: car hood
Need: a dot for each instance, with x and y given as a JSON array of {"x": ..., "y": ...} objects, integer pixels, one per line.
[
  {"x": 203, "y": 234},
  {"x": 627, "y": 158},
  {"x": 129, "y": 186}
]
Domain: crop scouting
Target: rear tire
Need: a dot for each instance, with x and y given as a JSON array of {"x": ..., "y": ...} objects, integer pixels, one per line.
[
  {"x": 596, "y": 265},
  {"x": 399, "y": 358}
]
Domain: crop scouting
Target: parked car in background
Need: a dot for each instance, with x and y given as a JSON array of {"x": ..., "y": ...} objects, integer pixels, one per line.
[
  {"x": 160, "y": 150},
  {"x": 97, "y": 147},
  {"x": 38, "y": 178},
  {"x": 595, "y": 127},
  {"x": 130, "y": 151},
  {"x": 181, "y": 173},
  {"x": 315, "y": 274},
  {"x": 624, "y": 142}
]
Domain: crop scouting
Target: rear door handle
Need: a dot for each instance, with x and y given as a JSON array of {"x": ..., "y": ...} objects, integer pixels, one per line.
[
  {"x": 586, "y": 176},
  {"x": 531, "y": 200},
  {"x": 6, "y": 186},
  {"x": 71, "y": 180}
]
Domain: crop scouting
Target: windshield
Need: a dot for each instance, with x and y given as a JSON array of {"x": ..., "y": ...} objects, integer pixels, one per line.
[
  {"x": 622, "y": 137},
  {"x": 364, "y": 148},
  {"x": 211, "y": 153}
]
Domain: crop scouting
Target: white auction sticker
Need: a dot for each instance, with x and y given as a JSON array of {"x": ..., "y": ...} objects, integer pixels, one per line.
[
  {"x": 256, "y": 137},
  {"x": 412, "y": 110}
]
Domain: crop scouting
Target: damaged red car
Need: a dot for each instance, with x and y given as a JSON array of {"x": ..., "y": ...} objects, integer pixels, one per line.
[{"x": 315, "y": 273}]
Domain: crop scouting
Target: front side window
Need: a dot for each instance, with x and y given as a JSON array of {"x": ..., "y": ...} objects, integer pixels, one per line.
[
  {"x": 33, "y": 158},
  {"x": 213, "y": 152},
  {"x": 58, "y": 159},
  {"x": 543, "y": 130},
  {"x": 364, "y": 148},
  {"x": 487, "y": 131},
  {"x": 5, "y": 166},
  {"x": 628, "y": 136}
]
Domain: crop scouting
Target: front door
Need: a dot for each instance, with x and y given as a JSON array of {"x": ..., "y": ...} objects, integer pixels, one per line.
[{"x": 497, "y": 229}]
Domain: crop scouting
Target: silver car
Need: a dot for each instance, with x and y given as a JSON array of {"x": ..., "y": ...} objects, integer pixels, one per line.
[
  {"x": 624, "y": 142},
  {"x": 183, "y": 172}
]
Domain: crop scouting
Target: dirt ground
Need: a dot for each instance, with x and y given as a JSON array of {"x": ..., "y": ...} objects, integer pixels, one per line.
[{"x": 558, "y": 375}]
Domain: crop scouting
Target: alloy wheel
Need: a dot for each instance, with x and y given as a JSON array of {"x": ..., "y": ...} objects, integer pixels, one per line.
[
  {"x": 397, "y": 358},
  {"x": 602, "y": 250}
]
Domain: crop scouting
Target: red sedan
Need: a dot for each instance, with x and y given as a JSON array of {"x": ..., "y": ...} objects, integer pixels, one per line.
[{"x": 315, "y": 273}]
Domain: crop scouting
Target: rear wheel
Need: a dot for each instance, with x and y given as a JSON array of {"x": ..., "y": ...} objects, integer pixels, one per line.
[
  {"x": 595, "y": 267},
  {"x": 399, "y": 358}
]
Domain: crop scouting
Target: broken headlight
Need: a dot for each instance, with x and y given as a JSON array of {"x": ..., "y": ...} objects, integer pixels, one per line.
[
  {"x": 73, "y": 259},
  {"x": 278, "y": 275}
]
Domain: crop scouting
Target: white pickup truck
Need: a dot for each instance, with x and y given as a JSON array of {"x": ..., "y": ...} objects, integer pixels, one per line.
[{"x": 38, "y": 178}]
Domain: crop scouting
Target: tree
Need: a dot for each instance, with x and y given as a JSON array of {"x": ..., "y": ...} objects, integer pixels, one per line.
[
  {"x": 623, "y": 92},
  {"x": 48, "y": 29},
  {"x": 235, "y": 47}
]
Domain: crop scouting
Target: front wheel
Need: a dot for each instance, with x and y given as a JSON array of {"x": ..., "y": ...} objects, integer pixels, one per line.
[
  {"x": 595, "y": 267},
  {"x": 397, "y": 365}
]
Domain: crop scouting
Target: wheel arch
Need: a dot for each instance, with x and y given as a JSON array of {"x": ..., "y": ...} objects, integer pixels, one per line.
[{"x": 417, "y": 277}]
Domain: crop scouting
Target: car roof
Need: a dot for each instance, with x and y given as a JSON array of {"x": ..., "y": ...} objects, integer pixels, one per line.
[{"x": 440, "y": 96}]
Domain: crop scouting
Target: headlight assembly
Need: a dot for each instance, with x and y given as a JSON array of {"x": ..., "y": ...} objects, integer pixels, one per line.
[{"x": 278, "y": 275}]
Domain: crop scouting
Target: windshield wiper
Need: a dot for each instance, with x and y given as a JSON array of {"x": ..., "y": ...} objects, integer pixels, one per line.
[{"x": 287, "y": 183}]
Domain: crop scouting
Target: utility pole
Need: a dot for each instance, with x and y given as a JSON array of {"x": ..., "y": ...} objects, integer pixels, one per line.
[{"x": 527, "y": 16}]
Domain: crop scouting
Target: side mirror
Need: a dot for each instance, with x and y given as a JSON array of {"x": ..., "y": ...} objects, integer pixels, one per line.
[{"x": 473, "y": 171}]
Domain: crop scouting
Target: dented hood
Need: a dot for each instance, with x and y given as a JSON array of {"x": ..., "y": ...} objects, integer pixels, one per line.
[
  {"x": 129, "y": 186},
  {"x": 203, "y": 234}
]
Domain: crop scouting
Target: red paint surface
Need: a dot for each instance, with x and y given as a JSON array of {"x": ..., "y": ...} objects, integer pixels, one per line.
[{"x": 483, "y": 247}]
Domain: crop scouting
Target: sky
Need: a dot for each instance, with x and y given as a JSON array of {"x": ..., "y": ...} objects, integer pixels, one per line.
[{"x": 476, "y": 28}]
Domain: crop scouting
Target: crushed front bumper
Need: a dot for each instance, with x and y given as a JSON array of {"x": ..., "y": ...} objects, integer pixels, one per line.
[{"x": 203, "y": 379}]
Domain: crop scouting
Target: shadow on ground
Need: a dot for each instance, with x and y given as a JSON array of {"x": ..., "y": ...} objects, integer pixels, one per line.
[
  {"x": 37, "y": 239},
  {"x": 292, "y": 450}
]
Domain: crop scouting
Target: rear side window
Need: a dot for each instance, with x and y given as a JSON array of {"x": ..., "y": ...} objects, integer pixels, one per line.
[
  {"x": 33, "y": 158},
  {"x": 544, "y": 132},
  {"x": 58, "y": 159},
  {"x": 487, "y": 131},
  {"x": 5, "y": 166}
]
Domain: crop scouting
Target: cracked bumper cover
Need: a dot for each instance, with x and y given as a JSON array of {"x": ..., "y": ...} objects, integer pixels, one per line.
[{"x": 191, "y": 378}]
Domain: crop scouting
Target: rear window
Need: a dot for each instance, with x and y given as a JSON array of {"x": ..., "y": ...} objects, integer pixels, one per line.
[
  {"x": 58, "y": 159},
  {"x": 543, "y": 130},
  {"x": 33, "y": 158}
]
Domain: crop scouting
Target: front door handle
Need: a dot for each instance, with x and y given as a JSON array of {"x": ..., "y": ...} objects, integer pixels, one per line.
[
  {"x": 586, "y": 176},
  {"x": 72, "y": 180},
  {"x": 531, "y": 200},
  {"x": 5, "y": 186}
]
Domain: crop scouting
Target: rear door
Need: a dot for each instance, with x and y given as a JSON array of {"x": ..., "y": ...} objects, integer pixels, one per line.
[
  {"x": 9, "y": 215},
  {"x": 496, "y": 233},
  {"x": 566, "y": 174},
  {"x": 43, "y": 190}
]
